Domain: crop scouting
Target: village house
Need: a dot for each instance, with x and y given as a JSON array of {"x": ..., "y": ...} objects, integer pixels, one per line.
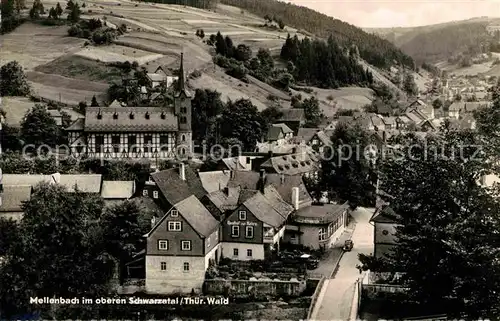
[
  {"x": 181, "y": 247},
  {"x": 378, "y": 123},
  {"x": 402, "y": 122},
  {"x": 385, "y": 222},
  {"x": 114, "y": 192},
  {"x": 279, "y": 133},
  {"x": 256, "y": 227},
  {"x": 294, "y": 118},
  {"x": 136, "y": 132},
  {"x": 161, "y": 75},
  {"x": 317, "y": 226},
  {"x": 459, "y": 109},
  {"x": 304, "y": 163}
]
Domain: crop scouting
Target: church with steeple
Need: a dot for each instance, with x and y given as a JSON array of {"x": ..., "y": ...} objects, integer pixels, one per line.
[{"x": 118, "y": 131}]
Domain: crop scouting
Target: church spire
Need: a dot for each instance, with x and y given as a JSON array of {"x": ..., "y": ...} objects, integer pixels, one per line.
[{"x": 181, "y": 83}]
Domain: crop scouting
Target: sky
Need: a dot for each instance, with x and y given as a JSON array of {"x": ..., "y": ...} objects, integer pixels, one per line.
[{"x": 402, "y": 13}]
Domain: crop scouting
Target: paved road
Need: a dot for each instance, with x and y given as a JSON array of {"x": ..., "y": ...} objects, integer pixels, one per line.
[{"x": 334, "y": 302}]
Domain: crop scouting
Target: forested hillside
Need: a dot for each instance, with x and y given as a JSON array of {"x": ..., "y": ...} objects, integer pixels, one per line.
[
  {"x": 203, "y": 4},
  {"x": 375, "y": 50},
  {"x": 324, "y": 64},
  {"x": 448, "y": 41}
]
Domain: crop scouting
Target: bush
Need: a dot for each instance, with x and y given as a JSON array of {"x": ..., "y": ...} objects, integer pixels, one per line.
[
  {"x": 75, "y": 31},
  {"x": 196, "y": 74}
]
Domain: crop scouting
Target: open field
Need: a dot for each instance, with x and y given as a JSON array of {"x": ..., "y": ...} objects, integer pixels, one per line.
[
  {"x": 33, "y": 45},
  {"x": 65, "y": 82},
  {"x": 80, "y": 68},
  {"x": 65, "y": 95},
  {"x": 107, "y": 55}
]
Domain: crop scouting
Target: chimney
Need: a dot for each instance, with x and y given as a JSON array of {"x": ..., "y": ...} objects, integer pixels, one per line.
[
  {"x": 282, "y": 178},
  {"x": 56, "y": 178},
  {"x": 295, "y": 198},
  {"x": 232, "y": 174},
  {"x": 261, "y": 181},
  {"x": 182, "y": 171}
]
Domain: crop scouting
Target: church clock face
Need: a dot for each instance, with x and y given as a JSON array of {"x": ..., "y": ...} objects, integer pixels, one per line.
[{"x": 385, "y": 232}]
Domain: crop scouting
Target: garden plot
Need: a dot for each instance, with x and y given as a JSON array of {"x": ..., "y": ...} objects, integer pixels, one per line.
[
  {"x": 33, "y": 45},
  {"x": 106, "y": 56}
]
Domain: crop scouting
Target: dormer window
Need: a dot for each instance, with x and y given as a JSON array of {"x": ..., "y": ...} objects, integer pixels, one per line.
[
  {"x": 115, "y": 116},
  {"x": 99, "y": 115},
  {"x": 147, "y": 115},
  {"x": 163, "y": 116},
  {"x": 131, "y": 115}
]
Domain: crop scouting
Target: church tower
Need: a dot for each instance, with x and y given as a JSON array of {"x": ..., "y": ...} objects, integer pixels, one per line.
[{"x": 182, "y": 109}]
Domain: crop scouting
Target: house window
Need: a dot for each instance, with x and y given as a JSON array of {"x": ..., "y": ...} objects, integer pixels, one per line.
[
  {"x": 235, "y": 252},
  {"x": 315, "y": 142},
  {"x": 183, "y": 110},
  {"x": 249, "y": 253},
  {"x": 249, "y": 232},
  {"x": 186, "y": 245},
  {"x": 293, "y": 238},
  {"x": 132, "y": 142},
  {"x": 163, "y": 266},
  {"x": 322, "y": 234},
  {"x": 243, "y": 215},
  {"x": 115, "y": 140},
  {"x": 183, "y": 120},
  {"x": 145, "y": 192},
  {"x": 155, "y": 194},
  {"x": 235, "y": 231},
  {"x": 148, "y": 142},
  {"x": 174, "y": 226},
  {"x": 186, "y": 266},
  {"x": 162, "y": 245},
  {"x": 174, "y": 213},
  {"x": 183, "y": 138},
  {"x": 249, "y": 160},
  {"x": 99, "y": 143},
  {"x": 208, "y": 242}
]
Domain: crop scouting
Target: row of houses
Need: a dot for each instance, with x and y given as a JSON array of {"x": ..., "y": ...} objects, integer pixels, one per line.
[{"x": 236, "y": 214}]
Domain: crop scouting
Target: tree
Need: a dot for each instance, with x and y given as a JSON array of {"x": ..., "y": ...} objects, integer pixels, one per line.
[
  {"x": 281, "y": 24},
  {"x": 94, "y": 102},
  {"x": 346, "y": 171},
  {"x": 74, "y": 14},
  {"x": 229, "y": 47},
  {"x": 207, "y": 106},
  {"x": 409, "y": 85},
  {"x": 12, "y": 80},
  {"x": 243, "y": 53},
  {"x": 9, "y": 235},
  {"x": 437, "y": 103},
  {"x": 241, "y": 120},
  {"x": 39, "y": 128},
  {"x": 61, "y": 251},
  {"x": 69, "y": 5},
  {"x": 59, "y": 10},
  {"x": 124, "y": 226},
  {"x": 53, "y": 14},
  {"x": 220, "y": 44},
  {"x": 447, "y": 244},
  {"x": 37, "y": 10},
  {"x": 312, "y": 112},
  {"x": 265, "y": 58},
  {"x": 270, "y": 115}
]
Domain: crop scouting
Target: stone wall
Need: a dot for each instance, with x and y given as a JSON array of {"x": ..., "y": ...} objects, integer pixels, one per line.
[{"x": 293, "y": 287}]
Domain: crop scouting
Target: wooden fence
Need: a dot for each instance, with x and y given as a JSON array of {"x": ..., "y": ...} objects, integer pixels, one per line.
[{"x": 314, "y": 298}]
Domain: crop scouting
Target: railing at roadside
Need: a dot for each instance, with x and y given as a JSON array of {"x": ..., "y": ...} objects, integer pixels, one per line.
[{"x": 314, "y": 298}]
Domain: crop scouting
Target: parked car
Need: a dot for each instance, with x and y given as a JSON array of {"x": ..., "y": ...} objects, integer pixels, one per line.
[
  {"x": 348, "y": 245},
  {"x": 311, "y": 261}
]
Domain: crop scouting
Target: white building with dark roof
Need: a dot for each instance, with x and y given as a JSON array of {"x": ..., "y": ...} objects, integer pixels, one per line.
[{"x": 136, "y": 132}]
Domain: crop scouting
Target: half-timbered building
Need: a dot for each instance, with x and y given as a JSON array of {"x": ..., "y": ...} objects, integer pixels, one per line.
[{"x": 136, "y": 132}]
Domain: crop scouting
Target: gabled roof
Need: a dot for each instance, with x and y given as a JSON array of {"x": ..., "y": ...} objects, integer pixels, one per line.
[
  {"x": 276, "y": 129},
  {"x": 345, "y": 119},
  {"x": 389, "y": 120},
  {"x": 294, "y": 164},
  {"x": 414, "y": 117},
  {"x": 129, "y": 119},
  {"x": 117, "y": 189},
  {"x": 324, "y": 138},
  {"x": 306, "y": 134},
  {"x": 404, "y": 119},
  {"x": 174, "y": 189},
  {"x": 219, "y": 199},
  {"x": 233, "y": 163},
  {"x": 215, "y": 180},
  {"x": 77, "y": 125},
  {"x": 156, "y": 77},
  {"x": 275, "y": 200},
  {"x": 25, "y": 179},
  {"x": 377, "y": 121},
  {"x": 14, "y": 196},
  {"x": 115, "y": 104},
  {"x": 385, "y": 214},
  {"x": 259, "y": 206},
  {"x": 282, "y": 183},
  {"x": 87, "y": 183},
  {"x": 326, "y": 212},
  {"x": 197, "y": 215}
]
